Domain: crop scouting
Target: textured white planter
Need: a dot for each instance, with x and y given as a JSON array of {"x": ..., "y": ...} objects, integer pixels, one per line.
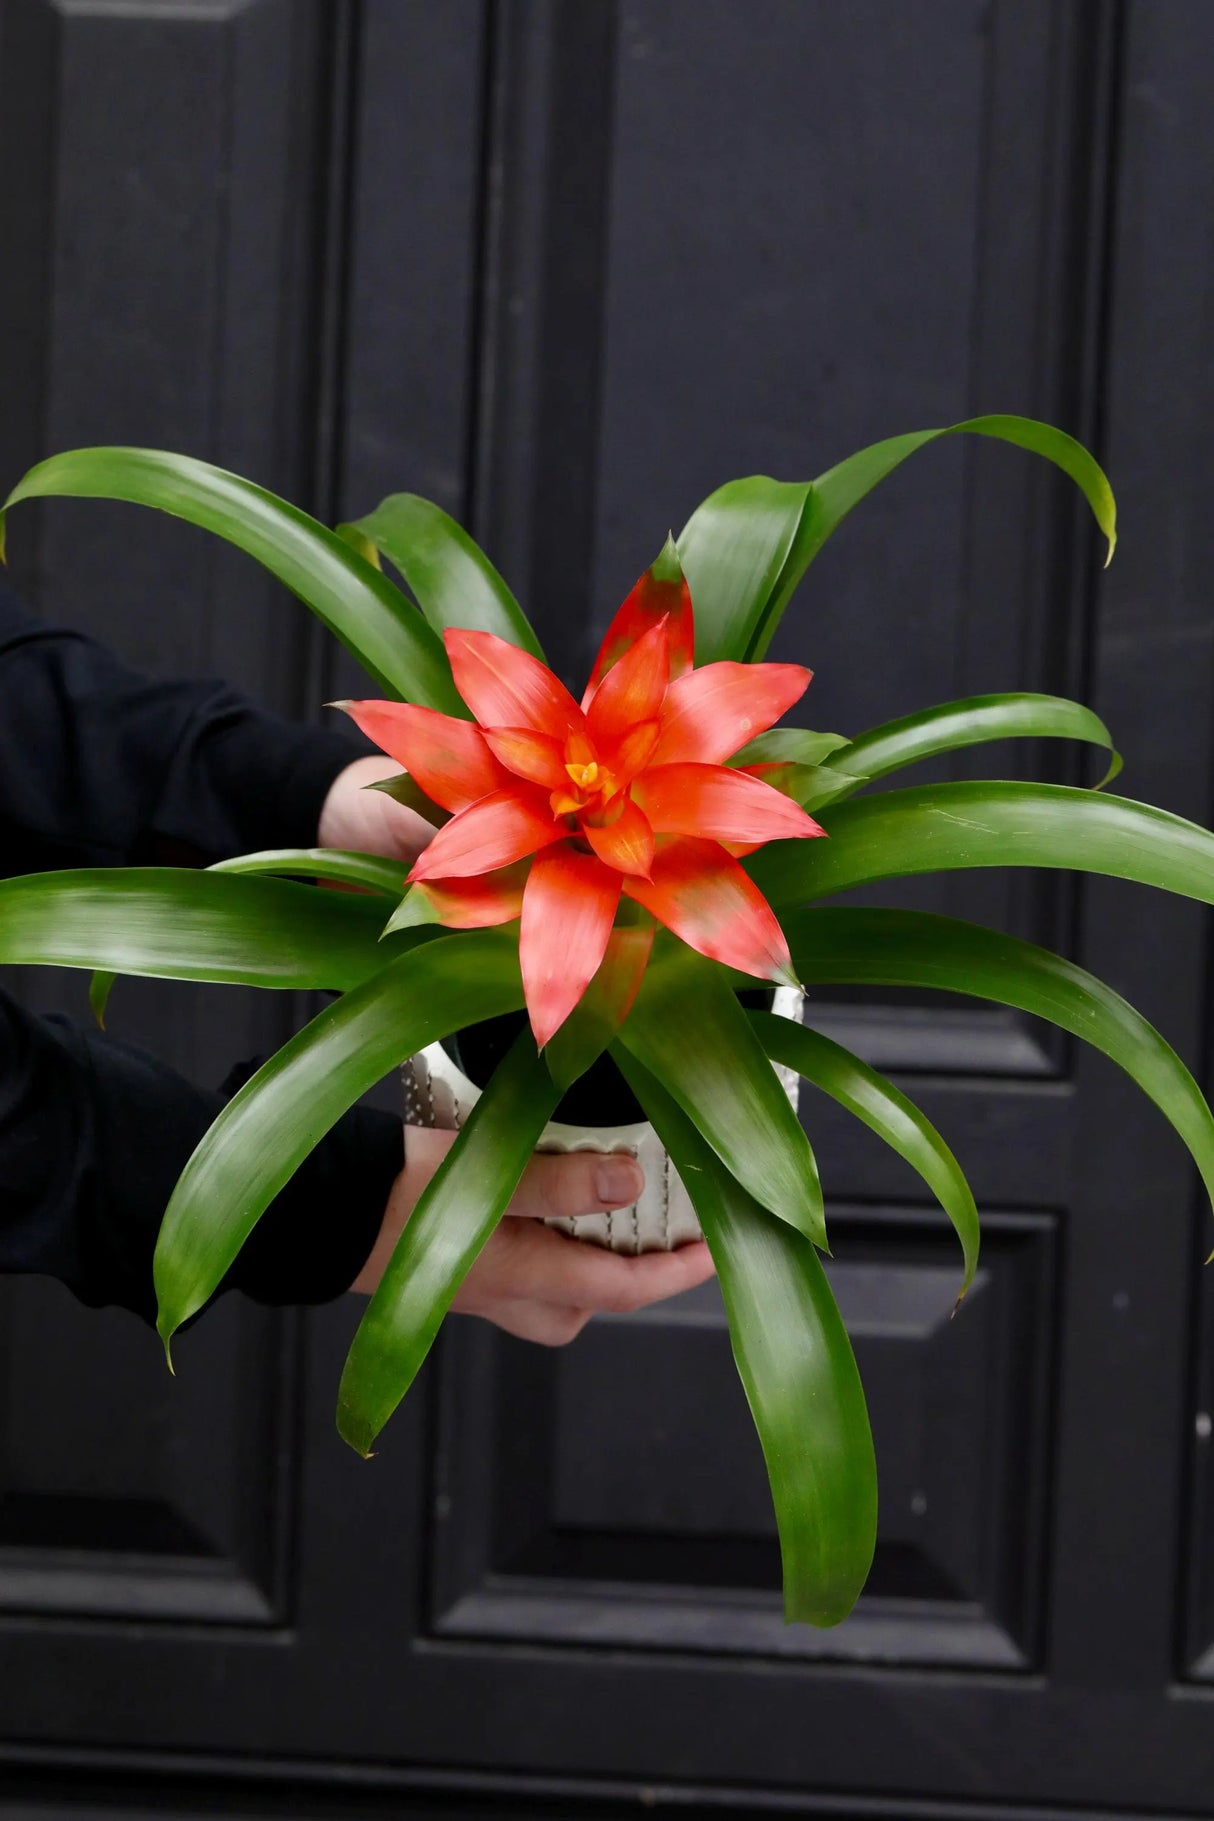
[{"x": 437, "y": 1093}]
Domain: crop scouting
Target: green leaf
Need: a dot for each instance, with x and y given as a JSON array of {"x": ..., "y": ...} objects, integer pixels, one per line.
[
  {"x": 941, "y": 827},
  {"x": 350, "y": 534},
  {"x": 917, "y": 949},
  {"x": 688, "y": 1029},
  {"x": 798, "y": 1369},
  {"x": 733, "y": 550},
  {"x": 373, "y": 620},
  {"x": 264, "y": 1133},
  {"x": 747, "y": 547},
  {"x": 369, "y": 871},
  {"x": 404, "y": 788},
  {"x": 885, "y": 1110},
  {"x": 100, "y": 987},
  {"x": 418, "y": 909},
  {"x": 832, "y": 496},
  {"x": 968, "y": 723},
  {"x": 811, "y": 786},
  {"x": 183, "y": 925},
  {"x": 450, "y": 577},
  {"x": 415, "y": 911},
  {"x": 789, "y": 746},
  {"x": 595, "y": 1020},
  {"x": 453, "y": 1219},
  {"x": 666, "y": 566}
]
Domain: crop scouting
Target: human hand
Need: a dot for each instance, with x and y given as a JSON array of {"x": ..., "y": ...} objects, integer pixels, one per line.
[
  {"x": 533, "y": 1280},
  {"x": 368, "y": 822}
]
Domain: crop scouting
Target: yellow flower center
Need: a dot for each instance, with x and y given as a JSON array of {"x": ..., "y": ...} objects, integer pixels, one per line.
[{"x": 591, "y": 786}]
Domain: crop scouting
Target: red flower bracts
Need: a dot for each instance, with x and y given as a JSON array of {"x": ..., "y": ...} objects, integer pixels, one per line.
[{"x": 561, "y": 809}]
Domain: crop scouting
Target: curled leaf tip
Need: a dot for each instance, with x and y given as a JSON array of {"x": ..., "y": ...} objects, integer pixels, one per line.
[
  {"x": 1115, "y": 765},
  {"x": 168, "y": 1354}
]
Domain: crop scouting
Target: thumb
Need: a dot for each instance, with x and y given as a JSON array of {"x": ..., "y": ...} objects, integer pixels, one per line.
[{"x": 577, "y": 1182}]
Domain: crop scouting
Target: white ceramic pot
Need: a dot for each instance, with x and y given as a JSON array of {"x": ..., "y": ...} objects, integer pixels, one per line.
[{"x": 438, "y": 1093}]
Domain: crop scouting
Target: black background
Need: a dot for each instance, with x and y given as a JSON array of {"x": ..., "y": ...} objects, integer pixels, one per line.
[{"x": 565, "y": 265}]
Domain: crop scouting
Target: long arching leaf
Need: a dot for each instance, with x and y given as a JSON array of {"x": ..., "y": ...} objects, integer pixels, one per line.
[
  {"x": 834, "y": 494},
  {"x": 746, "y": 548},
  {"x": 688, "y": 1030},
  {"x": 185, "y": 925},
  {"x": 373, "y": 620},
  {"x": 264, "y": 1133},
  {"x": 969, "y": 722},
  {"x": 918, "y": 949},
  {"x": 454, "y": 1217},
  {"x": 369, "y": 871},
  {"x": 885, "y": 1110},
  {"x": 942, "y": 827},
  {"x": 448, "y": 574},
  {"x": 798, "y": 1369}
]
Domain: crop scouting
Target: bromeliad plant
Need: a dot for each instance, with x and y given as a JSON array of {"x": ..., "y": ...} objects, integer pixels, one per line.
[
  {"x": 561, "y": 813},
  {"x": 619, "y": 867}
]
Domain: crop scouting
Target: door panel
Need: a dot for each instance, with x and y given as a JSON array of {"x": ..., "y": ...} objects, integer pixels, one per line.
[{"x": 566, "y": 269}]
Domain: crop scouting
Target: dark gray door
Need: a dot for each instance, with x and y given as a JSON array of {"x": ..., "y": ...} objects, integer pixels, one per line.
[{"x": 565, "y": 265}]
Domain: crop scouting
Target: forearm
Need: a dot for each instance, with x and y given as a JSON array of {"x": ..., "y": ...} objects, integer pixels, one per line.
[
  {"x": 101, "y": 766},
  {"x": 93, "y": 1135}
]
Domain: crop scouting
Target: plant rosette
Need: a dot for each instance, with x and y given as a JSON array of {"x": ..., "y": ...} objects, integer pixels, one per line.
[
  {"x": 590, "y": 825},
  {"x": 624, "y": 870}
]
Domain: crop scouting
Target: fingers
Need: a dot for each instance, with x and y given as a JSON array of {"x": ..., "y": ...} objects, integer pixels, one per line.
[
  {"x": 577, "y": 1182},
  {"x": 528, "y": 1263}
]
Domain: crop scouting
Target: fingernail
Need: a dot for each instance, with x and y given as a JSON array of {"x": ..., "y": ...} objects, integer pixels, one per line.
[{"x": 617, "y": 1180}]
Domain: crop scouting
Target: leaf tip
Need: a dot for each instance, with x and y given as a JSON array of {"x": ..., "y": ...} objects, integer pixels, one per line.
[
  {"x": 785, "y": 974},
  {"x": 666, "y": 565},
  {"x": 1114, "y": 770},
  {"x": 355, "y": 1428}
]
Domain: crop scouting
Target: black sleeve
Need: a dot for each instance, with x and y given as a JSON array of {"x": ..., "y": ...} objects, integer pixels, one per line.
[
  {"x": 100, "y": 766},
  {"x": 93, "y": 1136}
]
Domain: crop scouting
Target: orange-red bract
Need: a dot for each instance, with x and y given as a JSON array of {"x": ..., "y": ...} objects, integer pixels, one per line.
[{"x": 626, "y": 794}]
